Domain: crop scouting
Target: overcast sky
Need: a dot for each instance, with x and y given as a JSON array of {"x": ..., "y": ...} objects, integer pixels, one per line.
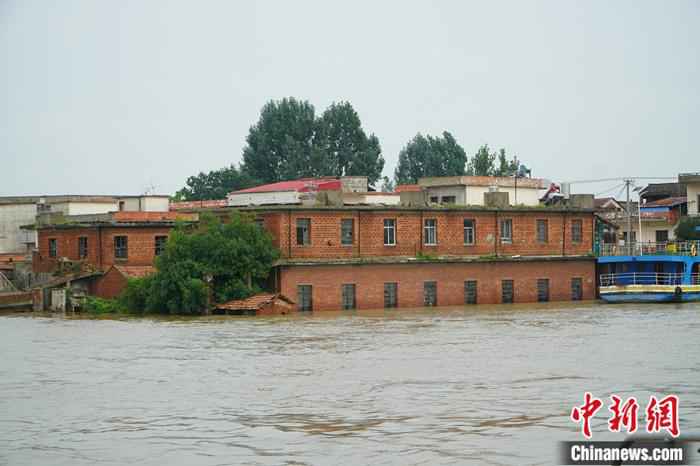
[{"x": 117, "y": 96}]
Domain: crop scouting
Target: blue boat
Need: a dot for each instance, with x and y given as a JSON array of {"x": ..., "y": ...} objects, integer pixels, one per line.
[{"x": 646, "y": 273}]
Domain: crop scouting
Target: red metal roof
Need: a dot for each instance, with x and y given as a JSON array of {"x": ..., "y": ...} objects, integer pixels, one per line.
[
  {"x": 253, "y": 303},
  {"x": 406, "y": 188},
  {"x": 302, "y": 185},
  {"x": 668, "y": 202}
]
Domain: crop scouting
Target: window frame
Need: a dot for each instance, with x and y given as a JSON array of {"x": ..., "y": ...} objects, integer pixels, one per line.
[
  {"x": 121, "y": 252},
  {"x": 394, "y": 287},
  {"x": 389, "y": 228},
  {"x": 511, "y": 284},
  {"x": 302, "y": 304},
  {"x": 471, "y": 293},
  {"x": 427, "y": 285},
  {"x": 348, "y": 296},
  {"x": 343, "y": 223},
  {"x": 53, "y": 247},
  {"x": 577, "y": 282},
  {"x": 543, "y": 290},
  {"x": 157, "y": 251},
  {"x": 452, "y": 200},
  {"x": 472, "y": 229},
  {"x": 542, "y": 235},
  {"x": 427, "y": 229},
  {"x": 305, "y": 238},
  {"x": 501, "y": 224},
  {"x": 576, "y": 233},
  {"x": 83, "y": 247}
]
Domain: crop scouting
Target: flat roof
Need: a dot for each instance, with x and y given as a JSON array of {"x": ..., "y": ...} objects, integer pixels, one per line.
[{"x": 400, "y": 208}]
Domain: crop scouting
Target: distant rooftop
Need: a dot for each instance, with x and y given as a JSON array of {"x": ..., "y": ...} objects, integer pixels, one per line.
[
  {"x": 485, "y": 181},
  {"x": 301, "y": 185},
  {"x": 60, "y": 198}
]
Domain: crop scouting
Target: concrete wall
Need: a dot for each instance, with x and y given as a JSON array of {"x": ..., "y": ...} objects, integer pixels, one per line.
[
  {"x": 459, "y": 192},
  {"x": 278, "y": 197},
  {"x": 84, "y": 208},
  {"x": 12, "y": 216},
  {"x": 327, "y": 280},
  {"x": 155, "y": 204},
  {"x": 526, "y": 196},
  {"x": 693, "y": 193}
]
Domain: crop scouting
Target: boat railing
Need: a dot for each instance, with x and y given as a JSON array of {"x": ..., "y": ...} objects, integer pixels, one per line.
[
  {"x": 670, "y": 248},
  {"x": 642, "y": 278},
  {"x": 695, "y": 279}
]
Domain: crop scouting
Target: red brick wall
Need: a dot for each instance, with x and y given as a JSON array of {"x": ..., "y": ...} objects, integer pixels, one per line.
[
  {"x": 369, "y": 233},
  {"x": 450, "y": 277},
  {"x": 141, "y": 244},
  {"x": 110, "y": 285}
]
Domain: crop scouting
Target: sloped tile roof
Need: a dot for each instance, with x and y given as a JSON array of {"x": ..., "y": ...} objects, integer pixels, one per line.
[{"x": 254, "y": 302}]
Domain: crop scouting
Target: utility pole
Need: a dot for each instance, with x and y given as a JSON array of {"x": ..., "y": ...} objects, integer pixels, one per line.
[{"x": 629, "y": 212}]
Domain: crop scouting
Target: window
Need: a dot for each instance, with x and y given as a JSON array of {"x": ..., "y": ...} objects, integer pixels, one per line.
[
  {"x": 469, "y": 231},
  {"x": 160, "y": 244},
  {"x": 389, "y": 231},
  {"x": 82, "y": 247},
  {"x": 303, "y": 231},
  {"x": 53, "y": 247},
  {"x": 542, "y": 231},
  {"x": 507, "y": 231},
  {"x": 434, "y": 199},
  {"x": 576, "y": 231},
  {"x": 121, "y": 247},
  {"x": 633, "y": 237},
  {"x": 430, "y": 231},
  {"x": 391, "y": 295},
  {"x": 347, "y": 227},
  {"x": 470, "y": 292},
  {"x": 507, "y": 294},
  {"x": 430, "y": 293},
  {"x": 305, "y": 298},
  {"x": 543, "y": 290},
  {"x": 576, "y": 289},
  {"x": 661, "y": 236},
  {"x": 260, "y": 222},
  {"x": 122, "y": 206},
  {"x": 449, "y": 199},
  {"x": 348, "y": 296}
]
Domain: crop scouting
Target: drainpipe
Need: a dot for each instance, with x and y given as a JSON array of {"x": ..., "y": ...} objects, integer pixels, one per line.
[
  {"x": 563, "y": 233},
  {"x": 495, "y": 235}
]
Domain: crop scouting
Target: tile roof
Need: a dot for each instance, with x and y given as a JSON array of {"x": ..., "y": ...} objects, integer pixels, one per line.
[
  {"x": 668, "y": 202},
  {"x": 302, "y": 185},
  {"x": 253, "y": 303},
  {"x": 407, "y": 188},
  {"x": 135, "y": 271},
  {"x": 209, "y": 204}
]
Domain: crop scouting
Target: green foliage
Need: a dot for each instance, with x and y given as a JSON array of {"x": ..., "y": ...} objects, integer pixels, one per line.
[
  {"x": 214, "y": 185},
  {"x": 232, "y": 258},
  {"x": 430, "y": 156},
  {"x": 425, "y": 256},
  {"x": 290, "y": 142},
  {"x": 482, "y": 164},
  {"x": 344, "y": 148},
  {"x": 97, "y": 306},
  {"x": 686, "y": 229}
]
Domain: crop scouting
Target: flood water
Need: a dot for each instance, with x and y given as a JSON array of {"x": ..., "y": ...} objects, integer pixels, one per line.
[{"x": 490, "y": 385}]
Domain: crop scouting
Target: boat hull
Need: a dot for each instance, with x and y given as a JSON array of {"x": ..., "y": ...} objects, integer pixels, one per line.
[{"x": 650, "y": 293}]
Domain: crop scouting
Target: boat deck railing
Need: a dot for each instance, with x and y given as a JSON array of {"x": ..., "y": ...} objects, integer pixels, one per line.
[
  {"x": 670, "y": 248},
  {"x": 642, "y": 278}
]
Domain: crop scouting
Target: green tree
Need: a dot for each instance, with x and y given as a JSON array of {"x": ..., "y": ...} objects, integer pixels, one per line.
[
  {"x": 430, "y": 156},
  {"x": 230, "y": 259},
  {"x": 687, "y": 229},
  {"x": 280, "y": 145},
  {"x": 214, "y": 185},
  {"x": 344, "y": 148},
  {"x": 482, "y": 164},
  {"x": 505, "y": 167}
]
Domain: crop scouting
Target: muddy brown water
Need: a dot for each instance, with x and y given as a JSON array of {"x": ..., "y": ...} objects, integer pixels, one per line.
[{"x": 478, "y": 385}]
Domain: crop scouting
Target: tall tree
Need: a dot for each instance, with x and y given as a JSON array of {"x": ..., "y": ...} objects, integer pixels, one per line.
[
  {"x": 505, "y": 167},
  {"x": 344, "y": 147},
  {"x": 280, "y": 145},
  {"x": 214, "y": 185},
  {"x": 482, "y": 164},
  {"x": 430, "y": 156}
]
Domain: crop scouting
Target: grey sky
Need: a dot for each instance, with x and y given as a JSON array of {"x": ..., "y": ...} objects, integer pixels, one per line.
[{"x": 114, "y": 96}]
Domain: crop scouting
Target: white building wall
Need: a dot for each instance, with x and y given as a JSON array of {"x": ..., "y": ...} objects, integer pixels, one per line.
[
  {"x": 459, "y": 192},
  {"x": 12, "y": 216},
  {"x": 87, "y": 208},
  {"x": 526, "y": 196},
  {"x": 693, "y": 193},
  {"x": 155, "y": 204},
  {"x": 278, "y": 197}
]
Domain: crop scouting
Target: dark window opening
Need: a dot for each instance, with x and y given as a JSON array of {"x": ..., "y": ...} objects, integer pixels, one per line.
[
  {"x": 469, "y": 232},
  {"x": 347, "y": 233},
  {"x": 507, "y": 231},
  {"x": 121, "y": 247},
  {"x": 542, "y": 231},
  {"x": 349, "y": 296},
  {"x": 53, "y": 247},
  {"x": 303, "y": 231},
  {"x": 449, "y": 199},
  {"x": 661, "y": 236},
  {"x": 430, "y": 231},
  {"x": 434, "y": 199},
  {"x": 470, "y": 292},
  {"x": 576, "y": 231},
  {"x": 430, "y": 293},
  {"x": 542, "y": 290},
  {"x": 507, "y": 293},
  {"x": 389, "y": 232},
  {"x": 576, "y": 289},
  {"x": 82, "y": 247},
  {"x": 391, "y": 295},
  {"x": 161, "y": 241},
  {"x": 304, "y": 297}
]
